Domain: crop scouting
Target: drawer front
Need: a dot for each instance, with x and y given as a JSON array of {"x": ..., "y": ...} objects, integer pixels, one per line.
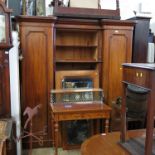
[
  {"x": 136, "y": 76},
  {"x": 78, "y": 116}
]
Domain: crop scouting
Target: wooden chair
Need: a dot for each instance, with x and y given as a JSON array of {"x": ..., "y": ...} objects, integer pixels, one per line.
[{"x": 136, "y": 101}]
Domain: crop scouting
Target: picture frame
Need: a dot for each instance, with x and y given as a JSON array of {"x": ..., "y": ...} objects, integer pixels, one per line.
[
  {"x": 28, "y": 7},
  {"x": 40, "y": 8}
]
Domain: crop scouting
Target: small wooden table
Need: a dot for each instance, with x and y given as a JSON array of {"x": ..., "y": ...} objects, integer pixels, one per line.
[
  {"x": 107, "y": 144},
  {"x": 61, "y": 112}
]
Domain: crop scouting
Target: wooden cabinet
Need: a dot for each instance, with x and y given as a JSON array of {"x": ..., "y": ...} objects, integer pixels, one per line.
[
  {"x": 117, "y": 49},
  {"x": 5, "y": 107},
  {"x": 140, "y": 39},
  {"x": 36, "y": 37}
]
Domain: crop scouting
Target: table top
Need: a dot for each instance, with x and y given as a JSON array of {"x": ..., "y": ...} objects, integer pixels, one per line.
[
  {"x": 108, "y": 144},
  {"x": 62, "y": 108},
  {"x": 150, "y": 66}
]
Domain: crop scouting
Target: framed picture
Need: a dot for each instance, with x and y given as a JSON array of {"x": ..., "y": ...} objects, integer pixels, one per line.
[
  {"x": 16, "y": 6},
  {"x": 40, "y": 8}
]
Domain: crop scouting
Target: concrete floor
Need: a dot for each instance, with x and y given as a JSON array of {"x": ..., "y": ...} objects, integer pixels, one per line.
[{"x": 50, "y": 151}]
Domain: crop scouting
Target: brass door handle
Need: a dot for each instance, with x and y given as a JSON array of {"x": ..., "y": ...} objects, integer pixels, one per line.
[{"x": 139, "y": 74}]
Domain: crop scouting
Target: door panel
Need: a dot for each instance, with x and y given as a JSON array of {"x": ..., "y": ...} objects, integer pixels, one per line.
[
  {"x": 37, "y": 76},
  {"x": 117, "y": 50}
]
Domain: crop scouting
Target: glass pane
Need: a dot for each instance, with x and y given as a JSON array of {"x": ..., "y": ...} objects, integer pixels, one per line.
[
  {"x": 77, "y": 83},
  {"x": 2, "y": 28},
  {"x": 84, "y": 3}
]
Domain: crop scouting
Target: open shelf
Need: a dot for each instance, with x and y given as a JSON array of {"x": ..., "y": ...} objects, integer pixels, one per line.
[
  {"x": 77, "y": 38},
  {"x": 76, "y": 45},
  {"x": 77, "y": 49},
  {"x": 73, "y": 45},
  {"x": 77, "y": 61}
]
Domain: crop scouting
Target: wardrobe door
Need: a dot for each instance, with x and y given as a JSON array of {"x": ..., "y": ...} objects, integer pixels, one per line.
[
  {"x": 117, "y": 49},
  {"x": 36, "y": 37}
]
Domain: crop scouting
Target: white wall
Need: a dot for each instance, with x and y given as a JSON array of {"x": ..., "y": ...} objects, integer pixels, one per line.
[{"x": 127, "y": 8}]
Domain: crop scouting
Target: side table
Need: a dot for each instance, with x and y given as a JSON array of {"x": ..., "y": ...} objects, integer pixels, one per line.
[{"x": 65, "y": 112}]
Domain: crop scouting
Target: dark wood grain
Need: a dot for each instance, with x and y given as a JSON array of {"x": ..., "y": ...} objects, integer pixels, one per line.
[
  {"x": 5, "y": 106},
  {"x": 140, "y": 39}
]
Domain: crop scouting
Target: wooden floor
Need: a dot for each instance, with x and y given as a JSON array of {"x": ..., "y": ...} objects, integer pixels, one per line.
[{"x": 50, "y": 151}]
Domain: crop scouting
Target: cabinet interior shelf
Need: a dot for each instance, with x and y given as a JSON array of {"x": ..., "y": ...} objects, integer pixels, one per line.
[
  {"x": 77, "y": 61},
  {"x": 75, "y": 46}
]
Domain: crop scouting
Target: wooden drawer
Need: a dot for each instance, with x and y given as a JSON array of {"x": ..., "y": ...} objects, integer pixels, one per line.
[
  {"x": 79, "y": 116},
  {"x": 136, "y": 76}
]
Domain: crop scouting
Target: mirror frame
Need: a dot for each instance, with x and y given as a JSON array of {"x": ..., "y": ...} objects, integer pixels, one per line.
[{"x": 60, "y": 10}]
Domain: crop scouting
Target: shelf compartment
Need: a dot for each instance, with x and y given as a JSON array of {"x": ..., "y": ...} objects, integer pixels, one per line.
[
  {"x": 76, "y": 38},
  {"x": 77, "y": 53},
  {"x": 77, "y": 61},
  {"x": 75, "y": 46}
]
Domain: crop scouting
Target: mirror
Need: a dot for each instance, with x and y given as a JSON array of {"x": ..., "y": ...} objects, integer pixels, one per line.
[
  {"x": 84, "y": 3},
  {"x": 2, "y": 28}
]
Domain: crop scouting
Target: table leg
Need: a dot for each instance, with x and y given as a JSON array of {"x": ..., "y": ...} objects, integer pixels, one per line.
[
  {"x": 123, "y": 115},
  {"x": 150, "y": 124},
  {"x": 56, "y": 129},
  {"x": 53, "y": 132},
  {"x": 106, "y": 125}
]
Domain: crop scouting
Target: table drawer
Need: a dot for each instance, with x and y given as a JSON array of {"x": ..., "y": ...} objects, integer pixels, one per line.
[
  {"x": 84, "y": 116},
  {"x": 136, "y": 76}
]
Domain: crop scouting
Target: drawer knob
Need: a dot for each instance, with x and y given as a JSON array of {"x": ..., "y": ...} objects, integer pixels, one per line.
[
  {"x": 141, "y": 74},
  {"x": 137, "y": 74}
]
